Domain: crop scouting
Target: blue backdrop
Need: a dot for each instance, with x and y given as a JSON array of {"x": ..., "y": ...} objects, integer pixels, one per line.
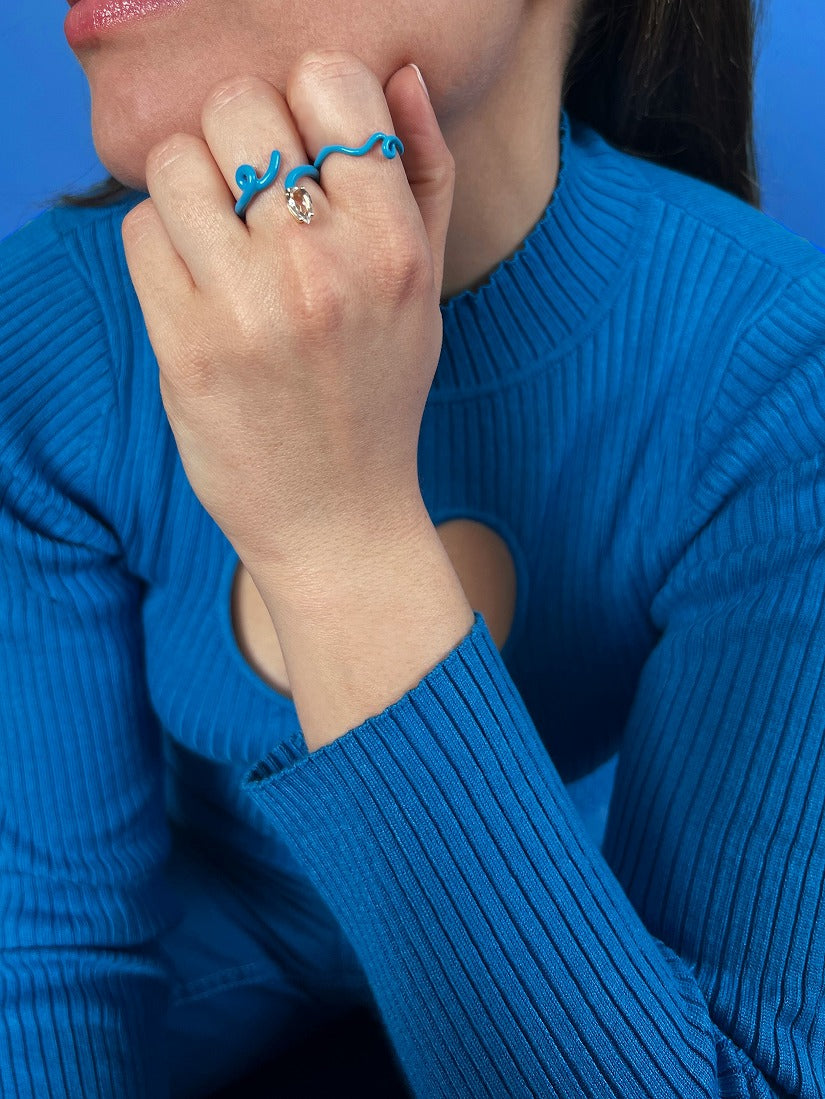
[{"x": 46, "y": 146}]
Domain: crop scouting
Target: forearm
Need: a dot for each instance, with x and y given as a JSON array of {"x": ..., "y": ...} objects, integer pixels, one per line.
[
  {"x": 360, "y": 630},
  {"x": 488, "y": 927}
]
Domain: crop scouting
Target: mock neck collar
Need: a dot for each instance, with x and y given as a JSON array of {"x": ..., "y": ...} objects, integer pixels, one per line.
[{"x": 545, "y": 296}]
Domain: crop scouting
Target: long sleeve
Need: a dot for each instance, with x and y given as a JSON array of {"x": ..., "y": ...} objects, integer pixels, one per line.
[
  {"x": 83, "y": 836},
  {"x": 507, "y": 954}
]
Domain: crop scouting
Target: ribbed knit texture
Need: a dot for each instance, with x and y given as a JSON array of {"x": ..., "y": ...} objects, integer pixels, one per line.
[{"x": 635, "y": 401}]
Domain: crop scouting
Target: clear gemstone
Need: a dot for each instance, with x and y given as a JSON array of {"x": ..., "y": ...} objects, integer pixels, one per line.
[{"x": 300, "y": 204}]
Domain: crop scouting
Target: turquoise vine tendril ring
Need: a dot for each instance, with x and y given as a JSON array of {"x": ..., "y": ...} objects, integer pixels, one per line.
[{"x": 298, "y": 199}]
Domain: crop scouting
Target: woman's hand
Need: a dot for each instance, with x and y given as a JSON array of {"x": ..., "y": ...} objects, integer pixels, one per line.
[{"x": 295, "y": 360}]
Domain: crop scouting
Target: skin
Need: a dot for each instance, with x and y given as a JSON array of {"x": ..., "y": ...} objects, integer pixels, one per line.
[{"x": 493, "y": 69}]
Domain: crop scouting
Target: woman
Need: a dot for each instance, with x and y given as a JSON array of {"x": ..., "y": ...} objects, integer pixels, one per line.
[{"x": 314, "y": 607}]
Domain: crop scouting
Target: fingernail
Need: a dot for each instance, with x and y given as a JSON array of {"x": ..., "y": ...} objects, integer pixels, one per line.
[{"x": 420, "y": 77}]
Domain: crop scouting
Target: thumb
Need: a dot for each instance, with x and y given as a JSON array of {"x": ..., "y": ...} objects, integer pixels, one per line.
[{"x": 427, "y": 160}]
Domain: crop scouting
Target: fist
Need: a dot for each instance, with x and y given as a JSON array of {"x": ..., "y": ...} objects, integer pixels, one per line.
[{"x": 295, "y": 359}]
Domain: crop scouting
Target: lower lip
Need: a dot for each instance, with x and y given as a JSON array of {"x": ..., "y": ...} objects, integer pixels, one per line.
[{"x": 90, "y": 20}]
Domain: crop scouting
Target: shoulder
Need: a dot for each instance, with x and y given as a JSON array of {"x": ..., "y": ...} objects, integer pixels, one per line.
[
  {"x": 730, "y": 223},
  {"x": 720, "y": 261},
  {"x": 62, "y": 262},
  {"x": 762, "y": 287},
  {"x": 724, "y": 317},
  {"x": 62, "y": 300},
  {"x": 722, "y": 287},
  {"x": 61, "y": 235},
  {"x": 705, "y": 272},
  {"x": 58, "y": 273}
]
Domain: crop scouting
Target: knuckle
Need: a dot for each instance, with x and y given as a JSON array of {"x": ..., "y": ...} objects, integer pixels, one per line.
[
  {"x": 447, "y": 167},
  {"x": 230, "y": 88},
  {"x": 246, "y": 315},
  {"x": 329, "y": 63},
  {"x": 402, "y": 268},
  {"x": 247, "y": 327},
  {"x": 163, "y": 154},
  {"x": 191, "y": 371},
  {"x": 140, "y": 218},
  {"x": 316, "y": 304}
]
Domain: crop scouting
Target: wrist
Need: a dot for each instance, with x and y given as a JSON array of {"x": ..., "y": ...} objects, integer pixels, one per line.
[
  {"x": 361, "y": 629},
  {"x": 340, "y": 562}
]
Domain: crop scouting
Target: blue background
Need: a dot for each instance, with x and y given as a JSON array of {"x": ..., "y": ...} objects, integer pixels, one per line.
[{"x": 46, "y": 145}]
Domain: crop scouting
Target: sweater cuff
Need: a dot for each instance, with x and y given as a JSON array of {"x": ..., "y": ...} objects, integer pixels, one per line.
[
  {"x": 456, "y": 756},
  {"x": 294, "y": 750},
  {"x": 491, "y": 931}
]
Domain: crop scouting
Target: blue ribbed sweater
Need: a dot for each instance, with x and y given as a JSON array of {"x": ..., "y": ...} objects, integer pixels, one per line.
[{"x": 635, "y": 401}]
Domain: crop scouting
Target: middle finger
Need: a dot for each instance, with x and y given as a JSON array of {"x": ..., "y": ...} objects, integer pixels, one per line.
[{"x": 336, "y": 99}]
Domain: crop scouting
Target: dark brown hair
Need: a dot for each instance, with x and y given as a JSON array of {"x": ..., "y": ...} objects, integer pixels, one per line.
[{"x": 669, "y": 81}]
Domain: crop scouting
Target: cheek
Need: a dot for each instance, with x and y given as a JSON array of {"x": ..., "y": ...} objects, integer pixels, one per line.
[
  {"x": 141, "y": 92},
  {"x": 462, "y": 49},
  {"x": 147, "y": 85},
  {"x": 128, "y": 121}
]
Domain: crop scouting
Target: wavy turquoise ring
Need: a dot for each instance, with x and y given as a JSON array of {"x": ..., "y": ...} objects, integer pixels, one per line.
[{"x": 298, "y": 199}]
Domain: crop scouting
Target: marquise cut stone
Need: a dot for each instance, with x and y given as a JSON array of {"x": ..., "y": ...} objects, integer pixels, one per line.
[{"x": 300, "y": 204}]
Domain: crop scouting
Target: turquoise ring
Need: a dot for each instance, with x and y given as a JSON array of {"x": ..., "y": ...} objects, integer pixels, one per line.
[{"x": 298, "y": 199}]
